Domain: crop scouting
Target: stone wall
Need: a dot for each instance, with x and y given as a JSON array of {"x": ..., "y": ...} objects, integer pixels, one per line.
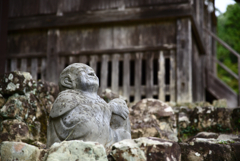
[{"x": 24, "y": 108}]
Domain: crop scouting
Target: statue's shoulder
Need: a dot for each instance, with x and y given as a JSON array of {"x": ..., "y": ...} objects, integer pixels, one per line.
[{"x": 66, "y": 101}]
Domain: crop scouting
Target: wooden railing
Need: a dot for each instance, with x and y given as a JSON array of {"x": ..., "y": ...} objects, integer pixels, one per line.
[
  {"x": 135, "y": 73},
  {"x": 224, "y": 66}
]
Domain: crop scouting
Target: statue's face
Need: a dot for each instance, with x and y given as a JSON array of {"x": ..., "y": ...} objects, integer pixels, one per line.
[{"x": 86, "y": 78}]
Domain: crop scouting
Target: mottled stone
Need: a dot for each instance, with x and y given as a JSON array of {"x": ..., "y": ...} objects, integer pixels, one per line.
[
  {"x": 25, "y": 107},
  {"x": 2, "y": 101},
  {"x": 16, "y": 82},
  {"x": 77, "y": 150},
  {"x": 143, "y": 149},
  {"x": 15, "y": 130},
  {"x": 19, "y": 151},
  {"x": 78, "y": 113},
  {"x": 207, "y": 146},
  {"x": 153, "y": 118},
  {"x": 209, "y": 119}
]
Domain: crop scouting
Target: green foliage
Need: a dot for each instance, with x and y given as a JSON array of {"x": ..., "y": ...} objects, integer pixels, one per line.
[{"x": 229, "y": 31}]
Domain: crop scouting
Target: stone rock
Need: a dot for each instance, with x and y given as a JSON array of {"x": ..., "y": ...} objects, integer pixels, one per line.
[
  {"x": 108, "y": 95},
  {"x": 235, "y": 120},
  {"x": 25, "y": 109},
  {"x": 211, "y": 147},
  {"x": 142, "y": 149},
  {"x": 15, "y": 130},
  {"x": 209, "y": 119},
  {"x": 16, "y": 82},
  {"x": 222, "y": 103},
  {"x": 153, "y": 118},
  {"x": 19, "y": 151},
  {"x": 77, "y": 150},
  {"x": 2, "y": 100}
]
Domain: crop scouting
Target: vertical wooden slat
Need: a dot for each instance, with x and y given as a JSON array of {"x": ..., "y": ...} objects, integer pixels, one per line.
[
  {"x": 93, "y": 62},
  {"x": 184, "y": 60},
  {"x": 83, "y": 59},
  {"x": 172, "y": 76},
  {"x": 115, "y": 73},
  {"x": 52, "y": 56},
  {"x": 13, "y": 65},
  {"x": 6, "y": 67},
  {"x": 71, "y": 60},
  {"x": 138, "y": 76},
  {"x": 161, "y": 76},
  {"x": 149, "y": 79},
  {"x": 104, "y": 72},
  {"x": 23, "y": 66},
  {"x": 34, "y": 68},
  {"x": 126, "y": 76},
  {"x": 43, "y": 69},
  {"x": 62, "y": 63}
]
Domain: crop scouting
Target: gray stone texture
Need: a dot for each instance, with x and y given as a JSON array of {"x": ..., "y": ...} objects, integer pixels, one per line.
[
  {"x": 77, "y": 151},
  {"x": 24, "y": 107},
  {"x": 153, "y": 118},
  {"x": 143, "y": 149},
  {"x": 19, "y": 151},
  {"x": 211, "y": 147}
]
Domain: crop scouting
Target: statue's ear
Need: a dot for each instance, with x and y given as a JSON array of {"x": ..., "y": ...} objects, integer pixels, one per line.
[{"x": 67, "y": 82}]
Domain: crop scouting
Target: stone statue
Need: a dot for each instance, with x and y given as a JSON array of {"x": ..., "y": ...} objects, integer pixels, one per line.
[{"x": 79, "y": 113}]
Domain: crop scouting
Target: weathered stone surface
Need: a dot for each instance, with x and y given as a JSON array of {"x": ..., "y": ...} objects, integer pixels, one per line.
[
  {"x": 211, "y": 147},
  {"x": 151, "y": 117},
  {"x": 77, "y": 150},
  {"x": 24, "y": 111},
  {"x": 235, "y": 119},
  {"x": 142, "y": 149},
  {"x": 19, "y": 151},
  {"x": 2, "y": 100},
  {"x": 16, "y": 82},
  {"x": 15, "y": 130},
  {"x": 210, "y": 119}
]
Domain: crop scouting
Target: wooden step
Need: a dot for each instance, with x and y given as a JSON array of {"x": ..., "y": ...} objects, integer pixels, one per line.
[{"x": 220, "y": 90}]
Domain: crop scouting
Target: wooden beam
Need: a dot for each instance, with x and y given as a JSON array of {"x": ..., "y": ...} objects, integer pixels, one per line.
[
  {"x": 97, "y": 17},
  {"x": 3, "y": 33},
  {"x": 52, "y": 56},
  {"x": 184, "y": 60}
]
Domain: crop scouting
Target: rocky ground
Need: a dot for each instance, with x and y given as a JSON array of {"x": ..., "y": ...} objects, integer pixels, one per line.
[{"x": 160, "y": 131}]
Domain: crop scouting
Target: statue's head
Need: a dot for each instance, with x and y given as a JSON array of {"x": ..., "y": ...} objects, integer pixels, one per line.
[{"x": 80, "y": 77}]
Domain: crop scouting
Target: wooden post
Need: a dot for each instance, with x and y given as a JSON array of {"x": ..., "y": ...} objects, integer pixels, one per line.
[
  {"x": 3, "y": 34},
  {"x": 161, "y": 76},
  {"x": 52, "y": 56},
  {"x": 104, "y": 72},
  {"x": 13, "y": 65},
  {"x": 115, "y": 73},
  {"x": 172, "y": 76},
  {"x": 184, "y": 60},
  {"x": 126, "y": 76},
  {"x": 239, "y": 81},
  {"x": 93, "y": 62},
  {"x": 23, "y": 66},
  {"x": 149, "y": 79},
  {"x": 138, "y": 76},
  {"x": 43, "y": 69},
  {"x": 34, "y": 68}
]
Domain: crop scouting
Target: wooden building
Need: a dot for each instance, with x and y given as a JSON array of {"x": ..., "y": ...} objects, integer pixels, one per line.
[{"x": 138, "y": 48}]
